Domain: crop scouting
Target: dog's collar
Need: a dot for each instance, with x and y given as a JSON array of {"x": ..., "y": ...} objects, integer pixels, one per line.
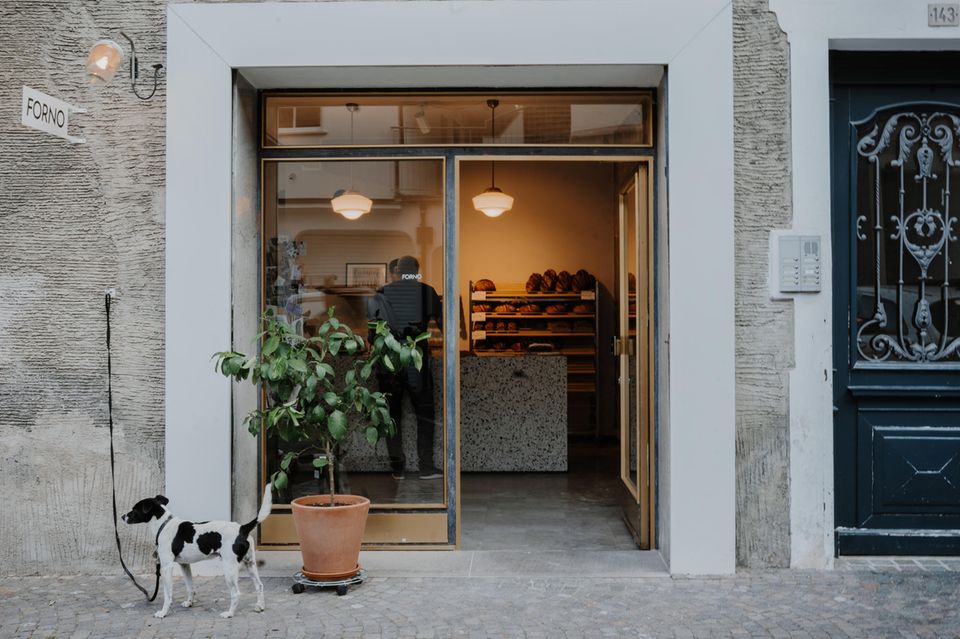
[{"x": 156, "y": 542}]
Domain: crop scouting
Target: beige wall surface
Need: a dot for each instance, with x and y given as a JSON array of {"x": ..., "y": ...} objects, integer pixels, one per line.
[
  {"x": 764, "y": 347},
  {"x": 75, "y": 219}
]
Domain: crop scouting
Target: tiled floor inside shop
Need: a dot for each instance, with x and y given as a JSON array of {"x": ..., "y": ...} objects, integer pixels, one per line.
[{"x": 576, "y": 510}]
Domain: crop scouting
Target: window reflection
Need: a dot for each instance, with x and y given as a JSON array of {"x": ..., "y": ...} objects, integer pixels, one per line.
[
  {"x": 590, "y": 118},
  {"x": 387, "y": 264}
]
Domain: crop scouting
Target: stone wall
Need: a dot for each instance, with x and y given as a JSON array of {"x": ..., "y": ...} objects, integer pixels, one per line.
[
  {"x": 764, "y": 346},
  {"x": 75, "y": 219}
]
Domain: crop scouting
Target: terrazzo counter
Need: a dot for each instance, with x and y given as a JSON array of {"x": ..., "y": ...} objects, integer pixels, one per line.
[{"x": 513, "y": 413}]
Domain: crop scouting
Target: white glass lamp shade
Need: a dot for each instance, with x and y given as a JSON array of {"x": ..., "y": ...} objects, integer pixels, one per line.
[
  {"x": 351, "y": 205},
  {"x": 105, "y": 58},
  {"x": 493, "y": 202}
]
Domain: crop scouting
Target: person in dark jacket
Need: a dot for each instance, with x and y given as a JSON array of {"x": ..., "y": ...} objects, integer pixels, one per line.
[{"x": 408, "y": 305}]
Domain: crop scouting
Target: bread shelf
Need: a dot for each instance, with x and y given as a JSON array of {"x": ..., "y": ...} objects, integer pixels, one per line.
[{"x": 578, "y": 346}]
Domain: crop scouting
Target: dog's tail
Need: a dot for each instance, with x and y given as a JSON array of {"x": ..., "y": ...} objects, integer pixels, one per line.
[{"x": 264, "y": 511}]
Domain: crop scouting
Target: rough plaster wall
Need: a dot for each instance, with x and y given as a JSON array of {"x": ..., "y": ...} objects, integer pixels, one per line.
[
  {"x": 73, "y": 221},
  {"x": 764, "y": 348}
]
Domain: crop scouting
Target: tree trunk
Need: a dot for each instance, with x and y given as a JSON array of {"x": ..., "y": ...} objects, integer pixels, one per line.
[{"x": 330, "y": 475}]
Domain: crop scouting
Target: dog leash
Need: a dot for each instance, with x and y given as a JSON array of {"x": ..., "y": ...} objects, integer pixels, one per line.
[{"x": 113, "y": 471}]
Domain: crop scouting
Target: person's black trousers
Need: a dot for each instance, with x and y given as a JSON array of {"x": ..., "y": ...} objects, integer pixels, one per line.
[{"x": 419, "y": 385}]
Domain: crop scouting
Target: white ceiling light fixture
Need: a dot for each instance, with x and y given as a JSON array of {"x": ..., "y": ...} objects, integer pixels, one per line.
[
  {"x": 349, "y": 203},
  {"x": 493, "y": 202},
  {"x": 106, "y": 58}
]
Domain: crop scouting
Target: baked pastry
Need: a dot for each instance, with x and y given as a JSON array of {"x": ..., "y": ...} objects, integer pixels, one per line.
[
  {"x": 563, "y": 282},
  {"x": 555, "y": 309},
  {"x": 549, "y": 280},
  {"x": 582, "y": 308},
  {"x": 533, "y": 283},
  {"x": 511, "y": 327},
  {"x": 482, "y": 308},
  {"x": 582, "y": 281},
  {"x": 559, "y": 326},
  {"x": 528, "y": 308},
  {"x": 500, "y": 327},
  {"x": 516, "y": 346},
  {"x": 484, "y": 285},
  {"x": 505, "y": 308},
  {"x": 489, "y": 326}
]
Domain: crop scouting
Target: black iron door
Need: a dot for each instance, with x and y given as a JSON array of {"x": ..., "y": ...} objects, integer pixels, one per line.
[{"x": 896, "y": 193}]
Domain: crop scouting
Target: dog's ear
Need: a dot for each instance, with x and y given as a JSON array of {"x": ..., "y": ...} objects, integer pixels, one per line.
[{"x": 163, "y": 500}]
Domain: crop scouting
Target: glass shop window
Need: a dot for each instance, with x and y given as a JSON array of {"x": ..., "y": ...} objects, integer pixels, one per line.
[
  {"x": 458, "y": 120},
  {"x": 364, "y": 237}
]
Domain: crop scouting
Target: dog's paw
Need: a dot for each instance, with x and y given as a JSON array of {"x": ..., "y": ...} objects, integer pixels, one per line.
[
  {"x": 226, "y": 615},
  {"x": 187, "y": 603},
  {"x": 258, "y": 607},
  {"x": 160, "y": 614}
]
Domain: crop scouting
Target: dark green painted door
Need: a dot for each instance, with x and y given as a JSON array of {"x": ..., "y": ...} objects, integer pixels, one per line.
[{"x": 896, "y": 193}]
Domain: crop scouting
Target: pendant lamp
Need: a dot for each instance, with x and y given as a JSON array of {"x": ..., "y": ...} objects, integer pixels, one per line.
[
  {"x": 349, "y": 203},
  {"x": 493, "y": 202}
]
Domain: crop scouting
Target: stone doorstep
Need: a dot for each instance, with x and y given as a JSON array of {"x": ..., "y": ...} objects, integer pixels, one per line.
[
  {"x": 487, "y": 563},
  {"x": 899, "y": 563}
]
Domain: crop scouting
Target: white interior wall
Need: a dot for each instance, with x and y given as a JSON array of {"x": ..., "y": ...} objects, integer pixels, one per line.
[{"x": 693, "y": 38}]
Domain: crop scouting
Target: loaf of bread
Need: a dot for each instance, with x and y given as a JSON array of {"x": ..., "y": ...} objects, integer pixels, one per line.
[
  {"x": 489, "y": 326},
  {"x": 549, "y": 280},
  {"x": 582, "y": 281},
  {"x": 482, "y": 308},
  {"x": 555, "y": 309},
  {"x": 582, "y": 308},
  {"x": 517, "y": 346},
  {"x": 484, "y": 285},
  {"x": 533, "y": 283},
  {"x": 505, "y": 308},
  {"x": 559, "y": 326},
  {"x": 563, "y": 282},
  {"x": 500, "y": 327},
  {"x": 528, "y": 308},
  {"x": 511, "y": 327}
]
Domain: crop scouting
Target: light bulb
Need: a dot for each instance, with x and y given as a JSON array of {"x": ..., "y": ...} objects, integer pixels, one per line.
[
  {"x": 104, "y": 60},
  {"x": 351, "y": 205},
  {"x": 493, "y": 202}
]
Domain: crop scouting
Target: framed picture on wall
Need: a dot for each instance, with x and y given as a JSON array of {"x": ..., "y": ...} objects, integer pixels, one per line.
[{"x": 368, "y": 275}]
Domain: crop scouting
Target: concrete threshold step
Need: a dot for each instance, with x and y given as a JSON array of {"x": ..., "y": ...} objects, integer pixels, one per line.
[{"x": 581, "y": 564}]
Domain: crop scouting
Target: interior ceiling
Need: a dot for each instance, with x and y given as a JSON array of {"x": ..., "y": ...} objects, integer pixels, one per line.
[{"x": 460, "y": 77}]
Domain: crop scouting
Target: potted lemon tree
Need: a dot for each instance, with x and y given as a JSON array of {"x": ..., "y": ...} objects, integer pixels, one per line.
[{"x": 315, "y": 395}]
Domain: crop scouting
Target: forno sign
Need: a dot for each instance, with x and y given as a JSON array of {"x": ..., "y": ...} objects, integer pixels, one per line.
[{"x": 46, "y": 113}]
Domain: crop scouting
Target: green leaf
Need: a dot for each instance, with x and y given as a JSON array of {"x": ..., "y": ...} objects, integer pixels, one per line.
[
  {"x": 320, "y": 462},
  {"x": 373, "y": 435},
  {"x": 337, "y": 423},
  {"x": 417, "y": 358},
  {"x": 317, "y": 414},
  {"x": 366, "y": 371},
  {"x": 271, "y": 345},
  {"x": 326, "y": 368},
  {"x": 331, "y": 398},
  {"x": 298, "y": 365},
  {"x": 391, "y": 342},
  {"x": 285, "y": 462},
  {"x": 311, "y": 383},
  {"x": 351, "y": 346},
  {"x": 279, "y": 480},
  {"x": 350, "y": 379},
  {"x": 335, "y": 345},
  {"x": 334, "y": 322},
  {"x": 404, "y": 356},
  {"x": 388, "y": 362}
]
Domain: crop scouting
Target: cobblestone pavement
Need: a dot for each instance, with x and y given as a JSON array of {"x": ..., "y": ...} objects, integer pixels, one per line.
[{"x": 849, "y": 602}]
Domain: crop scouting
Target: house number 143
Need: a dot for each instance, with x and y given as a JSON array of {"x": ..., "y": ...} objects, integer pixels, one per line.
[{"x": 943, "y": 15}]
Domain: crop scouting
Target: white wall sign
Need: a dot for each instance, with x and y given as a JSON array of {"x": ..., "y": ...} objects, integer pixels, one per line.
[
  {"x": 943, "y": 14},
  {"x": 46, "y": 113}
]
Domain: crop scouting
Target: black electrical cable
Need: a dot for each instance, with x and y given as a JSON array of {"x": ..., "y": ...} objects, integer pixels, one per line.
[{"x": 113, "y": 471}]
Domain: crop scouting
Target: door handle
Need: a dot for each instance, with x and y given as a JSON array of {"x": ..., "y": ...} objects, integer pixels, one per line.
[{"x": 616, "y": 346}]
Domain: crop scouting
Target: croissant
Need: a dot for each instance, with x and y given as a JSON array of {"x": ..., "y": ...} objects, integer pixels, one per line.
[{"x": 505, "y": 308}]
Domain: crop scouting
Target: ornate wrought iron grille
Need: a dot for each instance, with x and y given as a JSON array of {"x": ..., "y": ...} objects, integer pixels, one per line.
[{"x": 905, "y": 173}]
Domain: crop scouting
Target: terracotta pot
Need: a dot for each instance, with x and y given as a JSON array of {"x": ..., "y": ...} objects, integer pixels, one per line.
[{"x": 330, "y": 536}]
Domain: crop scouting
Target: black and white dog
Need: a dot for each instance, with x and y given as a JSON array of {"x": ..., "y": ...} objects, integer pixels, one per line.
[{"x": 186, "y": 542}]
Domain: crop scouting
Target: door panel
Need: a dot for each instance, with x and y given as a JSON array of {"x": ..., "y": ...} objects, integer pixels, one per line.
[
  {"x": 633, "y": 348},
  {"x": 895, "y": 181}
]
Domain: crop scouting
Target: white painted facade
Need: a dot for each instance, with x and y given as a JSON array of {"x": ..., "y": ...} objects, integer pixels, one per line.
[
  {"x": 814, "y": 28},
  {"x": 470, "y": 43}
]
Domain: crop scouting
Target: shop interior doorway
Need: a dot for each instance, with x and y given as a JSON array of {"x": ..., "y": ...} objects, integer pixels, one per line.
[{"x": 554, "y": 432}]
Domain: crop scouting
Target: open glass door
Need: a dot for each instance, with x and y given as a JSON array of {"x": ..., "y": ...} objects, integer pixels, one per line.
[{"x": 633, "y": 349}]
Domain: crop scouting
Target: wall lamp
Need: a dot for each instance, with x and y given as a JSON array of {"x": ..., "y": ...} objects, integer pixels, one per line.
[{"x": 106, "y": 57}]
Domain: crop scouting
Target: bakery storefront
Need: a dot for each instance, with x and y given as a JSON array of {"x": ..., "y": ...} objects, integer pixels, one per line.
[
  {"x": 516, "y": 228},
  {"x": 556, "y": 210}
]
